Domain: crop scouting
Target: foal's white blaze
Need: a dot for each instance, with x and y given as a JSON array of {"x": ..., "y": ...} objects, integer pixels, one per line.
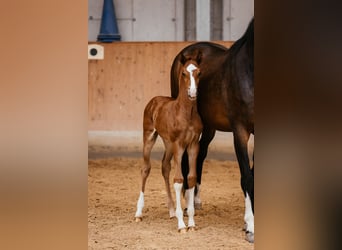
[
  {"x": 197, "y": 198},
  {"x": 249, "y": 216},
  {"x": 140, "y": 205},
  {"x": 193, "y": 90}
]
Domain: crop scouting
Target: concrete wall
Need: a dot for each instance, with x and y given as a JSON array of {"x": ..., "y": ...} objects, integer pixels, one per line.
[
  {"x": 141, "y": 20},
  {"x": 163, "y": 20},
  {"x": 236, "y": 16}
]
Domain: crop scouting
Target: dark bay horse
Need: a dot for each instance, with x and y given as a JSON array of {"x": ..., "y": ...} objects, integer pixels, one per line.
[
  {"x": 225, "y": 103},
  {"x": 178, "y": 123}
]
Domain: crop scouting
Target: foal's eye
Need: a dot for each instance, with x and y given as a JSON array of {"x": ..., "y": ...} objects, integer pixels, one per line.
[{"x": 183, "y": 73}]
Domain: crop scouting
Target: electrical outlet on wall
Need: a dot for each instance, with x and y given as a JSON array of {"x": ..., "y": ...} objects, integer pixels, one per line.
[{"x": 95, "y": 52}]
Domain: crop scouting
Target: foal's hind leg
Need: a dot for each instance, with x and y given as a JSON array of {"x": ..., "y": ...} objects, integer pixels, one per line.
[
  {"x": 149, "y": 140},
  {"x": 166, "y": 168}
]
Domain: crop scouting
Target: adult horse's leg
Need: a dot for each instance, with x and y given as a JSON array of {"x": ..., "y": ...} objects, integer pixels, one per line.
[
  {"x": 166, "y": 168},
  {"x": 178, "y": 185},
  {"x": 207, "y": 136},
  {"x": 185, "y": 169},
  {"x": 241, "y": 137},
  {"x": 149, "y": 140}
]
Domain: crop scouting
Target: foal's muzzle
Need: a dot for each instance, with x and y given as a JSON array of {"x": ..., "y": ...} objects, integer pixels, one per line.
[{"x": 192, "y": 94}]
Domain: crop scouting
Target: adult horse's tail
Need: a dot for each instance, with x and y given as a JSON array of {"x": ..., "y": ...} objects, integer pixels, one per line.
[{"x": 247, "y": 39}]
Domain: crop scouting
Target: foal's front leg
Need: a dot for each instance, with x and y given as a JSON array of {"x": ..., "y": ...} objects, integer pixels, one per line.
[
  {"x": 178, "y": 184},
  {"x": 192, "y": 152}
]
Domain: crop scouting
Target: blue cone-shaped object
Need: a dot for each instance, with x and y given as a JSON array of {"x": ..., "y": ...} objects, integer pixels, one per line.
[{"x": 109, "y": 31}]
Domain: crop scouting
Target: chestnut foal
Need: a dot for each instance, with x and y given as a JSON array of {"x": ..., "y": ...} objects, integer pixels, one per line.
[{"x": 179, "y": 125}]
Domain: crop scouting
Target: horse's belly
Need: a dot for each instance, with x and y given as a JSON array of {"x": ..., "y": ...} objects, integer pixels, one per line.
[
  {"x": 221, "y": 123},
  {"x": 215, "y": 118}
]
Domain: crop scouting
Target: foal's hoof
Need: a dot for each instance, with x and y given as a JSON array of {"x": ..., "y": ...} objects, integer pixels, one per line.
[
  {"x": 250, "y": 237},
  {"x": 182, "y": 230},
  {"x": 192, "y": 229},
  {"x": 138, "y": 219},
  {"x": 172, "y": 214}
]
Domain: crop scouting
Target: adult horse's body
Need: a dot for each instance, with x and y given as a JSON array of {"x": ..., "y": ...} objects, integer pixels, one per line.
[
  {"x": 178, "y": 123},
  {"x": 226, "y": 103}
]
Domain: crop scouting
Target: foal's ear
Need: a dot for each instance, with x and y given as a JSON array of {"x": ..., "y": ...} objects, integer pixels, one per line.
[
  {"x": 199, "y": 57},
  {"x": 183, "y": 59}
]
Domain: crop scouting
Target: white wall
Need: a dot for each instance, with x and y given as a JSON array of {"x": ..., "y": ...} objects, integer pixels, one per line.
[
  {"x": 142, "y": 20},
  {"x": 236, "y": 16},
  {"x": 163, "y": 20}
]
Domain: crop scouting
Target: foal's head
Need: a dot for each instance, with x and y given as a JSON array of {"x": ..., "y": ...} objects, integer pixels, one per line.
[{"x": 189, "y": 79}]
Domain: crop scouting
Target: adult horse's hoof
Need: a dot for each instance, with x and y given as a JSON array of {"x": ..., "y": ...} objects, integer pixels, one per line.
[
  {"x": 182, "y": 230},
  {"x": 192, "y": 229},
  {"x": 185, "y": 211},
  {"x": 198, "y": 206},
  {"x": 138, "y": 219},
  {"x": 250, "y": 237}
]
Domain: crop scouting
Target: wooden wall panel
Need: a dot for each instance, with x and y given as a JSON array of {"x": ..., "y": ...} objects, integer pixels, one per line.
[{"x": 120, "y": 86}]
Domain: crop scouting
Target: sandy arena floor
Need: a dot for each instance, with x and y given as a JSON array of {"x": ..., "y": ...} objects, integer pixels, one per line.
[
  {"x": 113, "y": 190},
  {"x": 114, "y": 185}
]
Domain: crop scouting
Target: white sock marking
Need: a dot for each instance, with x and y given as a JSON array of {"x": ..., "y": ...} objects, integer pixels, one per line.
[
  {"x": 191, "y": 208},
  {"x": 179, "y": 211},
  {"x": 249, "y": 216},
  {"x": 140, "y": 205},
  {"x": 186, "y": 197}
]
